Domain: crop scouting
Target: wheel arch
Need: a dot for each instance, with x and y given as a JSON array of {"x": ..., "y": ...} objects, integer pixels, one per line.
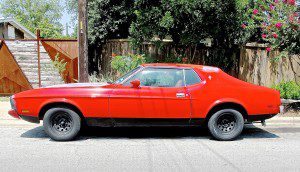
[
  {"x": 227, "y": 105},
  {"x": 48, "y": 106}
]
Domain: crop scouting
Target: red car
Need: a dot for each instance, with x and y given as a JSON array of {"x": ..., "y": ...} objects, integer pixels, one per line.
[{"x": 150, "y": 95}]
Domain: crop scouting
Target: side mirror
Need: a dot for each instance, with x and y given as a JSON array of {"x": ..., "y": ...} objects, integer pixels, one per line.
[{"x": 135, "y": 83}]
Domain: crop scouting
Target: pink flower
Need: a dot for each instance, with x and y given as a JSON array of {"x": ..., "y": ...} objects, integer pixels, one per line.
[
  {"x": 291, "y": 18},
  {"x": 271, "y": 7},
  {"x": 243, "y": 26},
  {"x": 255, "y": 11},
  {"x": 278, "y": 25},
  {"x": 268, "y": 49},
  {"x": 296, "y": 14},
  {"x": 263, "y": 35},
  {"x": 291, "y": 2},
  {"x": 275, "y": 35},
  {"x": 276, "y": 1}
]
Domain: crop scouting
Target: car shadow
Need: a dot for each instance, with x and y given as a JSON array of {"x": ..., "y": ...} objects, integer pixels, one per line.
[{"x": 249, "y": 132}]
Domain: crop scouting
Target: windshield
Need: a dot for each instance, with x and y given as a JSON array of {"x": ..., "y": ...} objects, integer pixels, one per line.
[{"x": 118, "y": 81}]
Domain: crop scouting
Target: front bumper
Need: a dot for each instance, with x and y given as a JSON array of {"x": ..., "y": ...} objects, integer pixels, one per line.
[
  {"x": 27, "y": 118},
  {"x": 13, "y": 113}
]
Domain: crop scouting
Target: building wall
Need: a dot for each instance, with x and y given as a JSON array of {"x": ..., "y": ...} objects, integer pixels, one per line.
[
  {"x": 8, "y": 31},
  {"x": 3, "y": 31}
]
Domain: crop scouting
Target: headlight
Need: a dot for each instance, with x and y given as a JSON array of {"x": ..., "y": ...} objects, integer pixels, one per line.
[{"x": 13, "y": 104}]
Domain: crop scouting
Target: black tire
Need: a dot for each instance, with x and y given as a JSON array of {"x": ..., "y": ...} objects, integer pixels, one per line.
[
  {"x": 61, "y": 123},
  {"x": 226, "y": 124}
]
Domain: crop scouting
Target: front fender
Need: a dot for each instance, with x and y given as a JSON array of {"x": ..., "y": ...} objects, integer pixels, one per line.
[{"x": 58, "y": 100}]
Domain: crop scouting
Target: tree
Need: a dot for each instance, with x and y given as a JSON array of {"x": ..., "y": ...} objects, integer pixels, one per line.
[
  {"x": 34, "y": 14},
  {"x": 108, "y": 19},
  {"x": 72, "y": 9},
  {"x": 275, "y": 22},
  {"x": 188, "y": 22}
]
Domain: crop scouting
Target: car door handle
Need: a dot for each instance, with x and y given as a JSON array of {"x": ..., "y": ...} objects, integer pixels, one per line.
[{"x": 180, "y": 95}]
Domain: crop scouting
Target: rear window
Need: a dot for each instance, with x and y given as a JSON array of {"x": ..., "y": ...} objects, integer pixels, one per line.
[{"x": 191, "y": 77}]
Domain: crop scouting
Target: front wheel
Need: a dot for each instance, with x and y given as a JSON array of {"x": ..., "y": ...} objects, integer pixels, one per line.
[
  {"x": 226, "y": 124},
  {"x": 61, "y": 124}
]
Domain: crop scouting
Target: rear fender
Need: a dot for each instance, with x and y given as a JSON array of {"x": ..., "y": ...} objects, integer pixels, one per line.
[{"x": 222, "y": 101}]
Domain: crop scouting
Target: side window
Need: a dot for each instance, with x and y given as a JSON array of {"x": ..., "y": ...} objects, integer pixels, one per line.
[
  {"x": 191, "y": 77},
  {"x": 159, "y": 77}
]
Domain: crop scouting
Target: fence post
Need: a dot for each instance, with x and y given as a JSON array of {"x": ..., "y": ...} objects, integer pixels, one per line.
[{"x": 39, "y": 55}]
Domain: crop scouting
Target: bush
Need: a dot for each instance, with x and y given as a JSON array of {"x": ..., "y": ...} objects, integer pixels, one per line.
[
  {"x": 123, "y": 64},
  {"x": 288, "y": 89},
  {"x": 275, "y": 22},
  {"x": 100, "y": 78}
]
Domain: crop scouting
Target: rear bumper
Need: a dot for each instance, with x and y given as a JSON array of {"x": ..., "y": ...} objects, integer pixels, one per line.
[
  {"x": 31, "y": 119},
  {"x": 261, "y": 117}
]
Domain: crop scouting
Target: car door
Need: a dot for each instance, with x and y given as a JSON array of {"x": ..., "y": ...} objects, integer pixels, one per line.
[{"x": 162, "y": 94}]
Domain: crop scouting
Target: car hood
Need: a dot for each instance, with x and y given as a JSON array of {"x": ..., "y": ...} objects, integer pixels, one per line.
[{"x": 78, "y": 85}]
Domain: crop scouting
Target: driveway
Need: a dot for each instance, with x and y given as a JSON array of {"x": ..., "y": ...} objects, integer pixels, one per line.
[{"x": 26, "y": 147}]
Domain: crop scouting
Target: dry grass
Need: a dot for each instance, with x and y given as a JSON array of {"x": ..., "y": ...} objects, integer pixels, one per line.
[{"x": 4, "y": 98}]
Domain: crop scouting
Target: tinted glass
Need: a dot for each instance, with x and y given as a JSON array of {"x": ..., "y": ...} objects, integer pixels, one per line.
[
  {"x": 118, "y": 81},
  {"x": 159, "y": 77},
  {"x": 191, "y": 77}
]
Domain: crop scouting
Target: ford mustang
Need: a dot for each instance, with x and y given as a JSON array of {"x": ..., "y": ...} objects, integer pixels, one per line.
[{"x": 150, "y": 95}]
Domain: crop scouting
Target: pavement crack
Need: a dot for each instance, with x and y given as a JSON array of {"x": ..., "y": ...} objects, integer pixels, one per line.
[{"x": 219, "y": 156}]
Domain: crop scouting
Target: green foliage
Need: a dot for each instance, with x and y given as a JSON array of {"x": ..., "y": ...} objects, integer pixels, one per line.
[
  {"x": 187, "y": 23},
  {"x": 34, "y": 14},
  {"x": 108, "y": 19},
  {"x": 288, "y": 89},
  {"x": 60, "y": 65},
  {"x": 72, "y": 8},
  {"x": 98, "y": 78},
  {"x": 275, "y": 22},
  {"x": 123, "y": 64}
]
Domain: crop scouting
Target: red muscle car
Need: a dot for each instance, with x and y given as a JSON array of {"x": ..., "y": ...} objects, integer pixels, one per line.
[{"x": 150, "y": 95}]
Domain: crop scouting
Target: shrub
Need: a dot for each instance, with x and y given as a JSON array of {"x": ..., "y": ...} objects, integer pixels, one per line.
[
  {"x": 288, "y": 89},
  {"x": 123, "y": 64},
  {"x": 59, "y": 64},
  {"x": 275, "y": 22},
  {"x": 98, "y": 78}
]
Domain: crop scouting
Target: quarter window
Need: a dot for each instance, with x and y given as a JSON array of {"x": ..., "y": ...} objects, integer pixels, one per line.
[
  {"x": 159, "y": 77},
  {"x": 191, "y": 77}
]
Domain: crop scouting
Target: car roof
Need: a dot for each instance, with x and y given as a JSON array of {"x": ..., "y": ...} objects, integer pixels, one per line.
[{"x": 201, "y": 67}]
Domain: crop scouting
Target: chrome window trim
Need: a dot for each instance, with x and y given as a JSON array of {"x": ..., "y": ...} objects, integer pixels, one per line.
[
  {"x": 196, "y": 75},
  {"x": 158, "y": 67}
]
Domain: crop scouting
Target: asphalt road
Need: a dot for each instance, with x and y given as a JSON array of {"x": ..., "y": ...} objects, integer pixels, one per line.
[{"x": 26, "y": 147}]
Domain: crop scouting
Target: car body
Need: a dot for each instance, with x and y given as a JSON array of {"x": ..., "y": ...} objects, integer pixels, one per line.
[{"x": 153, "y": 94}]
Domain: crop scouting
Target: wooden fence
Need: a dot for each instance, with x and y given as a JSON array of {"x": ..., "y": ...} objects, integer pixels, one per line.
[
  {"x": 28, "y": 63},
  {"x": 252, "y": 63},
  {"x": 261, "y": 67}
]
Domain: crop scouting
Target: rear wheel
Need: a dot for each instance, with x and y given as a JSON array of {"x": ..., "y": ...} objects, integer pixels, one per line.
[
  {"x": 226, "y": 124},
  {"x": 61, "y": 124}
]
